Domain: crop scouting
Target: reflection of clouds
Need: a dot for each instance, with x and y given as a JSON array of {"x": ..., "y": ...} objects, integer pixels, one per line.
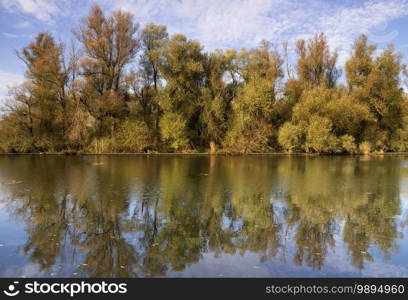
[
  {"x": 248, "y": 265},
  {"x": 378, "y": 269},
  {"x": 27, "y": 270},
  {"x": 339, "y": 261},
  {"x": 294, "y": 242},
  {"x": 226, "y": 265}
]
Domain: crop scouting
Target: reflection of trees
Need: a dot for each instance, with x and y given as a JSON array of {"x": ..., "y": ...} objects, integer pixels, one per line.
[
  {"x": 144, "y": 216},
  {"x": 362, "y": 195}
]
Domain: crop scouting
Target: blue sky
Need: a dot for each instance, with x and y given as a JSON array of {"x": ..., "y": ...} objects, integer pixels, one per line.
[{"x": 215, "y": 23}]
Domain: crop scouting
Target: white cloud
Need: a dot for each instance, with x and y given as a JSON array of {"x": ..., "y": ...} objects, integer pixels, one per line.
[
  {"x": 243, "y": 23},
  {"x": 240, "y": 23},
  {"x": 40, "y": 9},
  {"x": 17, "y": 35},
  {"x": 371, "y": 18},
  {"x": 22, "y": 25},
  {"x": 8, "y": 80}
]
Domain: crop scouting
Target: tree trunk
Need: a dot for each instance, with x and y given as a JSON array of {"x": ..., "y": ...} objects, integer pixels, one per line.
[{"x": 213, "y": 148}]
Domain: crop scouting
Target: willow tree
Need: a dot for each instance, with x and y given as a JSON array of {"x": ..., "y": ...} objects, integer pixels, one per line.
[
  {"x": 375, "y": 82},
  {"x": 359, "y": 66},
  {"x": 109, "y": 43},
  {"x": 254, "y": 106},
  {"x": 47, "y": 89},
  {"x": 181, "y": 66},
  {"x": 316, "y": 65},
  {"x": 216, "y": 98},
  {"x": 147, "y": 81}
]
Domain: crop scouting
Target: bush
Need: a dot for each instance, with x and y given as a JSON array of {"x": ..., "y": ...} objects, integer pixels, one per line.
[
  {"x": 13, "y": 138},
  {"x": 347, "y": 144},
  {"x": 173, "y": 130},
  {"x": 365, "y": 147},
  {"x": 319, "y": 137},
  {"x": 399, "y": 141},
  {"x": 133, "y": 136},
  {"x": 101, "y": 145},
  {"x": 249, "y": 139},
  {"x": 290, "y": 137}
]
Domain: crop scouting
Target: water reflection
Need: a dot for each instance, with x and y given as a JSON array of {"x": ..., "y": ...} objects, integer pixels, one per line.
[{"x": 127, "y": 216}]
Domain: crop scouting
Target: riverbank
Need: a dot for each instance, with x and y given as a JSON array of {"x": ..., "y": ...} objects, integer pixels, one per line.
[{"x": 209, "y": 154}]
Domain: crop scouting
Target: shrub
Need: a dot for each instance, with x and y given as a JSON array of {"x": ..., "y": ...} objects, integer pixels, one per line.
[
  {"x": 399, "y": 141},
  {"x": 347, "y": 144},
  {"x": 365, "y": 147},
  {"x": 290, "y": 137},
  {"x": 173, "y": 130},
  {"x": 249, "y": 139},
  {"x": 133, "y": 136},
  {"x": 319, "y": 137},
  {"x": 101, "y": 145},
  {"x": 13, "y": 139}
]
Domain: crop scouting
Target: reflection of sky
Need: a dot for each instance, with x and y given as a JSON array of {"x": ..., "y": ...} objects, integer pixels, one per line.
[{"x": 337, "y": 261}]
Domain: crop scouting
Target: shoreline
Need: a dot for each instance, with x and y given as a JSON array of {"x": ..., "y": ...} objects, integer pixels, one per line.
[{"x": 206, "y": 154}]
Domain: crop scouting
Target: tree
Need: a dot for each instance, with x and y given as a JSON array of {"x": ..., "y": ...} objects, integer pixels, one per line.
[
  {"x": 319, "y": 137},
  {"x": 181, "y": 66},
  {"x": 128, "y": 90},
  {"x": 146, "y": 81},
  {"x": 254, "y": 106},
  {"x": 216, "y": 98},
  {"x": 360, "y": 64},
  {"x": 109, "y": 44},
  {"x": 375, "y": 82},
  {"x": 316, "y": 65},
  {"x": 45, "y": 71}
]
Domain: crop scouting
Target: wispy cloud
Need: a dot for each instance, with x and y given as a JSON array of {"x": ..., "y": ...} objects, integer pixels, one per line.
[
  {"x": 240, "y": 23},
  {"x": 40, "y": 9},
  {"x": 8, "y": 80},
  {"x": 17, "y": 35},
  {"x": 22, "y": 25},
  {"x": 243, "y": 23}
]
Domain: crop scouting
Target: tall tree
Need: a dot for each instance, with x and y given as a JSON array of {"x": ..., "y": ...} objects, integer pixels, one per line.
[
  {"x": 216, "y": 98},
  {"x": 182, "y": 68},
  {"x": 109, "y": 44},
  {"x": 360, "y": 64},
  {"x": 146, "y": 82},
  {"x": 316, "y": 65},
  {"x": 254, "y": 106},
  {"x": 375, "y": 82},
  {"x": 45, "y": 70}
]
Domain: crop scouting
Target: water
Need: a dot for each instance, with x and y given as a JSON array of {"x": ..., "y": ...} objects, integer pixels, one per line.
[{"x": 201, "y": 216}]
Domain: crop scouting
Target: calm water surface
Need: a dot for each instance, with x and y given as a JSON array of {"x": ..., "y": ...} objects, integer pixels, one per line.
[{"x": 156, "y": 216}]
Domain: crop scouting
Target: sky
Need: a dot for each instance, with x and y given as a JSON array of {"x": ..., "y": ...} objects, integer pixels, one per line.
[{"x": 214, "y": 23}]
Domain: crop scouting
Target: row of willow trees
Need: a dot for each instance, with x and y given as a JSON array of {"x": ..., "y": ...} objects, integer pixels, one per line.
[{"x": 118, "y": 88}]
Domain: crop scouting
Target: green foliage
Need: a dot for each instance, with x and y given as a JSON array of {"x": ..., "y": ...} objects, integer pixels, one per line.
[
  {"x": 348, "y": 116},
  {"x": 133, "y": 136},
  {"x": 399, "y": 141},
  {"x": 347, "y": 144},
  {"x": 254, "y": 138},
  {"x": 13, "y": 138},
  {"x": 177, "y": 97},
  {"x": 173, "y": 130},
  {"x": 254, "y": 106},
  {"x": 291, "y": 137},
  {"x": 319, "y": 137}
]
